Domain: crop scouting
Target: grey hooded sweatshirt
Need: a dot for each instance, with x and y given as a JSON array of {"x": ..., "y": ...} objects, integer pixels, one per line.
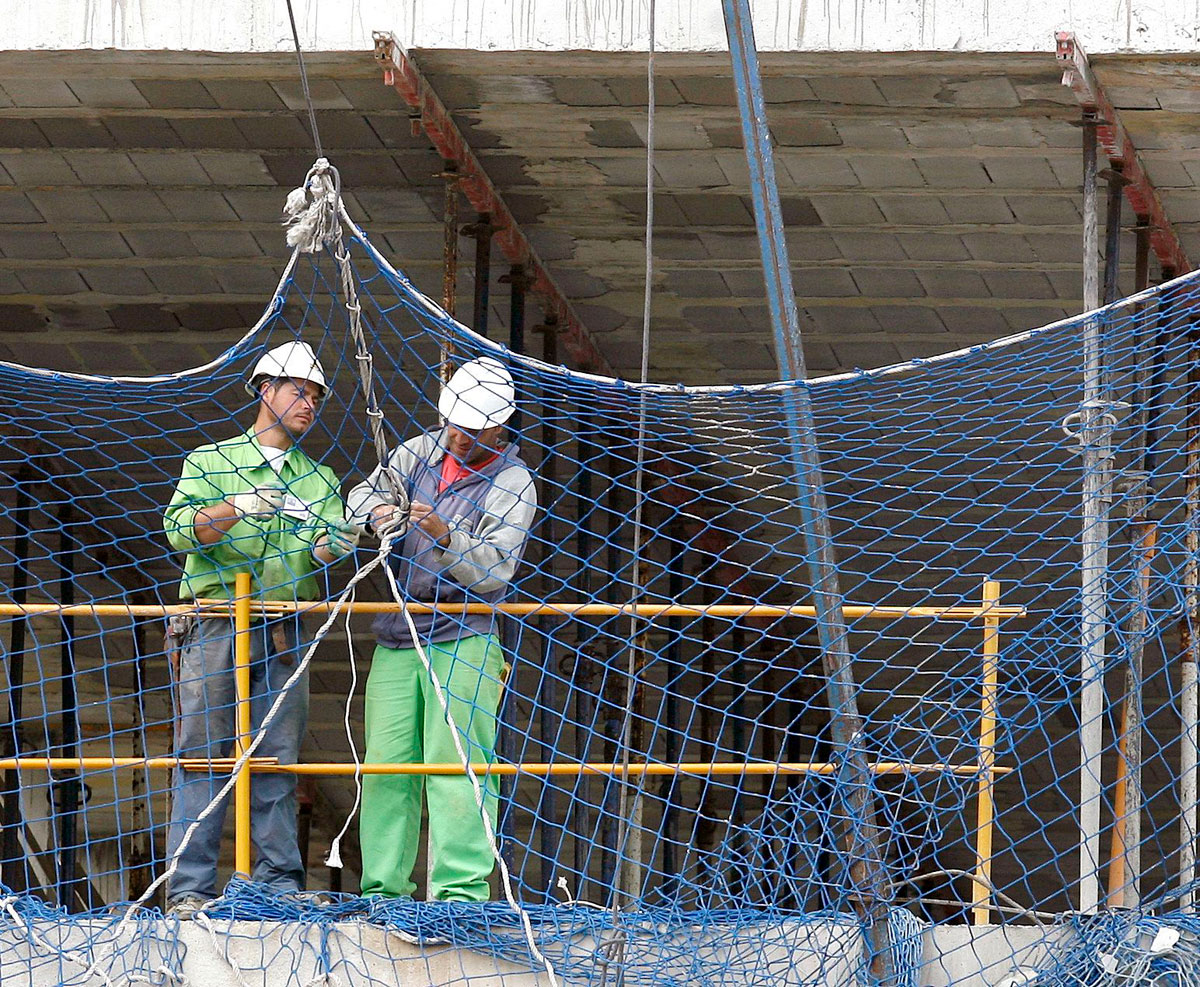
[{"x": 489, "y": 513}]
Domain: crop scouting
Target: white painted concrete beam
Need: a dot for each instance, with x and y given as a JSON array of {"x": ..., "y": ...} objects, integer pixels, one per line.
[{"x": 599, "y": 25}]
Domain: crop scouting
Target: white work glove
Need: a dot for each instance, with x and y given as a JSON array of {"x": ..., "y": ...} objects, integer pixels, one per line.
[
  {"x": 341, "y": 539},
  {"x": 261, "y": 503},
  {"x": 391, "y": 518}
]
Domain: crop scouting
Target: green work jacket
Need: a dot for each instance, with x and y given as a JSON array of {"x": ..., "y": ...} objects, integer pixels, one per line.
[{"x": 277, "y": 552}]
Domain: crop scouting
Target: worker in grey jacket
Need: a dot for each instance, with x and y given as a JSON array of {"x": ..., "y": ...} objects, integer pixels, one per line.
[{"x": 460, "y": 503}]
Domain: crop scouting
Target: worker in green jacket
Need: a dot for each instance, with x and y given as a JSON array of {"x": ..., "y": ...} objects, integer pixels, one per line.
[{"x": 252, "y": 503}]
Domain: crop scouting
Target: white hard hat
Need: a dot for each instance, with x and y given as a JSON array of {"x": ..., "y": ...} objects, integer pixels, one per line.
[
  {"x": 479, "y": 395},
  {"x": 294, "y": 359}
]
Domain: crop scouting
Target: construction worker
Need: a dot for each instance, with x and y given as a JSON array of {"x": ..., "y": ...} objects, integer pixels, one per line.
[
  {"x": 460, "y": 504},
  {"x": 252, "y": 503}
]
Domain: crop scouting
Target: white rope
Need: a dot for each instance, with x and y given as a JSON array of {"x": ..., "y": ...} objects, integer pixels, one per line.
[
  {"x": 74, "y": 955},
  {"x": 376, "y": 422},
  {"x": 334, "y": 857},
  {"x": 476, "y": 788},
  {"x": 314, "y": 218},
  {"x": 205, "y": 923},
  {"x": 362, "y": 356},
  {"x": 165, "y": 972},
  {"x": 314, "y": 214}
]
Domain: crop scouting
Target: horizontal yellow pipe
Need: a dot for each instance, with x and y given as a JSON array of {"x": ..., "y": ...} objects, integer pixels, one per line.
[
  {"x": 225, "y": 607},
  {"x": 605, "y": 768},
  {"x": 107, "y": 763},
  {"x": 270, "y": 764}
]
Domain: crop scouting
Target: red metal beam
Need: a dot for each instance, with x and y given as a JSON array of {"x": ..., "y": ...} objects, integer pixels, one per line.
[
  {"x": 1142, "y": 195},
  {"x": 400, "y": 72}
]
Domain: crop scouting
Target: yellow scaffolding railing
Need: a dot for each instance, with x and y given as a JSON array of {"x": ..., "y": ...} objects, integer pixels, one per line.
[
  {"x": 243, "y": 609},
  {"x": 536, "y": 769},
  {"x": 549, "y": 609}
]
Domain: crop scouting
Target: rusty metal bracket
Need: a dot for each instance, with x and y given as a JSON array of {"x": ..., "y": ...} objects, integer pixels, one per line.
[
  {"x": 1121, "y": 152},
  {"x": 402, "y": 74}
]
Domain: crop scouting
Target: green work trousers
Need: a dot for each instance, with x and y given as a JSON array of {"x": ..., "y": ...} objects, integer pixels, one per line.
[{"x": 405, "y": 725}]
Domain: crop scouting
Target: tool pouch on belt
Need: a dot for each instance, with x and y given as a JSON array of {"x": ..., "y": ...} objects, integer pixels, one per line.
[
  {"x": 283, "y": 644},
  {"x": 179, "y": 627}
]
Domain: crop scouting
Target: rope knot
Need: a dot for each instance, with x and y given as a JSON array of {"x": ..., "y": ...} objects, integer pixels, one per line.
[{"x": 311, "y": 211}]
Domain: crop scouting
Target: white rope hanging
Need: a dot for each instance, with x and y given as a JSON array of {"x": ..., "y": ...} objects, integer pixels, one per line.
[{"x": 314, "y": 212}]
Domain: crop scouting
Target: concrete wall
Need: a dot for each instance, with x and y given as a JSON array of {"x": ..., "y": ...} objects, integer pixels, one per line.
[
  {"x": 242, "y": 954},
  {"x": 600, "y": 25}
]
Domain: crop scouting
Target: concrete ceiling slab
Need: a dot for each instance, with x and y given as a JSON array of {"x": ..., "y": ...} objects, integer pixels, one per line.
[{"x": 932, "y": 200}]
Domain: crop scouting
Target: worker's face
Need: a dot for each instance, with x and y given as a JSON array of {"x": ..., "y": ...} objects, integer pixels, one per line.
[
  {"x": 293, "y": 403},
  {"x": 471, "y": 447}
]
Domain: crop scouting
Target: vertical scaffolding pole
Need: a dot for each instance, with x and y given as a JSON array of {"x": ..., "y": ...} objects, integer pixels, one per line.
[
  {"x": 519, "y": 282},
  {"x": 1189, "y": 638},
  {"x": 1112, "y": 232},
  {"x": 12, "y": 867},
  {"x": 630, "y": 877},
  {"x": 861, "y": 838},
  {"x": 613, "y": 696},
  {"x": 703, "y": 688},
  {"x": 985, "y": 814},
  {"x": 141, "y": 842},
  {"x": 1125, "y": 857},
  {"x": 770, "y": 723},
  {"x": 671, "y": 783},
  {"x": 510, "y": 631},
  {"x": 67, "y": 790},
  {"x": 1094, "y": 435},
  {"x": 449, "y": 175},
  {"x": 583, "y": 674},
  {"x": 1158, "y": 376},
  {"x": 482, "y": 230},
  {"x": 799, "y": 698},
  {"x": 1141, "y": 257},
  {"x": 549, "y": 719},
  {"x": 241, "y": 665},
  {"x": 737, "y": 714}
]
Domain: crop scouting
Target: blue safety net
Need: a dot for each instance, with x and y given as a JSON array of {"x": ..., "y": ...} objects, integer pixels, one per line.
[{"x": 671, "y": 801}]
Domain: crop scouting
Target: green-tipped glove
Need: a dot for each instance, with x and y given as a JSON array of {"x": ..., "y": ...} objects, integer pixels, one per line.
[{"x": 341, "y": 539}]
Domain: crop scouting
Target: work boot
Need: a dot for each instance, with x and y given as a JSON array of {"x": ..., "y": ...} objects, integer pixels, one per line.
[
  {"x": 186, "y": 905},
  {"x": 313, "y": 897}
]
